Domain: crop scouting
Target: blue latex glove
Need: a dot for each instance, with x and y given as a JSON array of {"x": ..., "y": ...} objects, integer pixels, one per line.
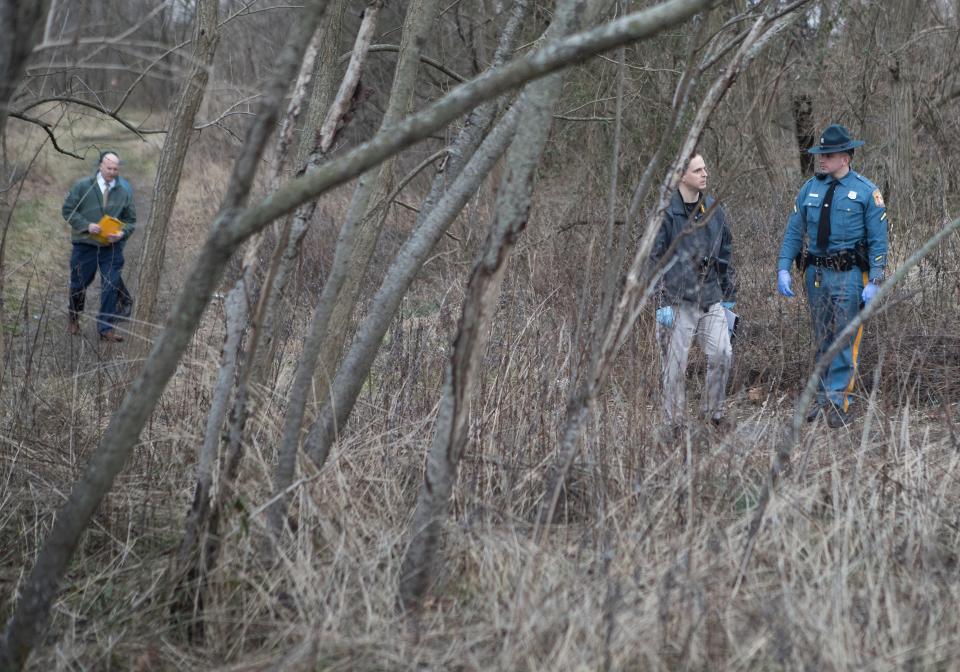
[
  {"x": 728, "y": 304},
  {"x": 783, "y": 283},
  {"x": 869, "y": 291},
  {"x": 665, "y": 316}
]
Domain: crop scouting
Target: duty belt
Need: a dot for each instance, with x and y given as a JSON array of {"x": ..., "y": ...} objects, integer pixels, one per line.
[{"x": 842, "y": 260}]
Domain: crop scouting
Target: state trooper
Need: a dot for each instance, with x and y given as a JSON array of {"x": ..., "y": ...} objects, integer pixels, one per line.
[
  {"x": 837, "y": 236},
  {"x": 698, "y": 284}
]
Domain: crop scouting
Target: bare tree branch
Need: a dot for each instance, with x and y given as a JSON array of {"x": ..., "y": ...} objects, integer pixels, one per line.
[
  {"x": 246, "y": 288},
  {"x": 48, "y": 129},
  {"x": 471, "y": 158},
  {"x": 351, "y": 78},
  {"x": 555, "y": 56},
  {"x": 433, "y": 63},
  {"x": 93, "y": 106},
  {"x": 173, "y": 154},
  {"x": 512, "y": 213}
]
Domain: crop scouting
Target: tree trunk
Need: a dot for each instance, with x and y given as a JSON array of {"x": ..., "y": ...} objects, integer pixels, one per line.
[
  {"x": 200, "y": 544},
  {"x": 169, "y": 169},
  {"x": 295, "y": 227},
  {"x": 902, "y": 15},
  {"x": 437, "y": 213},
  {"x": 804, "y": 132},
  {"x": 20, "y": 24},
  {"x": 356, "y": 365},
  {"x": 370, "y": 210},
  {"x": 480, "y": 303},
  {"x": 303, "y": 215},
  {"x": 434, "y": 218},
  {"x": 186, "y": 570}
]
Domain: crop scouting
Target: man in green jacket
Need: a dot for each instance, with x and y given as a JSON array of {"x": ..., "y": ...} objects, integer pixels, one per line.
[{"x": 89, "y": 199}]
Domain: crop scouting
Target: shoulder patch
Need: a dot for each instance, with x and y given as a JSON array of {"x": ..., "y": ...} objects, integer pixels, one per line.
[{"x": 878, "y": 198}]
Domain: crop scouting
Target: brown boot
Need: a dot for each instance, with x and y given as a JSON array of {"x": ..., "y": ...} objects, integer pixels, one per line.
[
  {"x": 111, "y": 335},
  {"x": 73, "y": 327}
]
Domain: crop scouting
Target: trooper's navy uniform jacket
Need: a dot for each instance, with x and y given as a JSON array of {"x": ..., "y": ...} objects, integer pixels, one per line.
[{"x": 858, "y": 216}]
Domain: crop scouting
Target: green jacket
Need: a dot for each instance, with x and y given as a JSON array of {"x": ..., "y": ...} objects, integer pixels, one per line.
[{"x": 84, "y": 206}]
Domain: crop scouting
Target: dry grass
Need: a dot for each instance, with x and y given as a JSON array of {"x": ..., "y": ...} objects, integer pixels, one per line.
[{"x": 855, "y": 567}]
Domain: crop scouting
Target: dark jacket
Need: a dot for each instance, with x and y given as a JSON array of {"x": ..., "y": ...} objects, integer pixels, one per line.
[
  {"x": 700, "y": 269},
  {"x": 84, "y": 205}
]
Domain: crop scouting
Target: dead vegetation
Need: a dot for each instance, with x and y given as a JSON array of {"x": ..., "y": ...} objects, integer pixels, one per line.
[{"x": 854, "y": 567}]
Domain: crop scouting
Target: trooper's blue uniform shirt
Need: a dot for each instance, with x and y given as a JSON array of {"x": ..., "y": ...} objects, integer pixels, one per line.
[{"x": 857, "y": 214}]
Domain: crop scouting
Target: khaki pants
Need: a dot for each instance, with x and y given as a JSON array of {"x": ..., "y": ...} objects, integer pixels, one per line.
[{"x": 710, "y": 328}]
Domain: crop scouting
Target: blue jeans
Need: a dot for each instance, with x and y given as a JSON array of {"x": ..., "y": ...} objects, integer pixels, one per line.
[
  {"x": 832, "y": 306},
  {"x": 84, "y": 262}
]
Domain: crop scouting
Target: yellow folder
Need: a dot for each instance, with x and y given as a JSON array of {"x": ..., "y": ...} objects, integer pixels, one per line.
[{"x": 108, "y": 225}]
